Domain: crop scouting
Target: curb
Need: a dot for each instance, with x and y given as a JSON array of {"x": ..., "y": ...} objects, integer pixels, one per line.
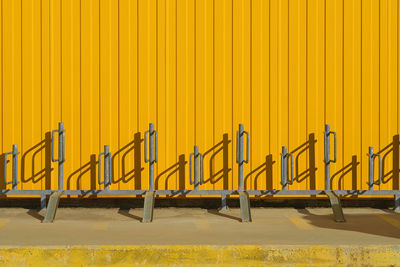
[{"x": 202, "y": 255}]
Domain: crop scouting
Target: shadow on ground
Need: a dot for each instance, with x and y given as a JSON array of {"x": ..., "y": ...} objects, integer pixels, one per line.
[
  {"x": 35, "y": 214},
  {"x": 373, "y": 224},
  {"x": 125, "y": 212},
  {"x": 216, "y": 212}
]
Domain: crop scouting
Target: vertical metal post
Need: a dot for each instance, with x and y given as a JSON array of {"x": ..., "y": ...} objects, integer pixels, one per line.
[
  {"x": 333, "y": 198},
  {"x": 14, "y": 163},
  {"x": 284, "y": 168},
  {"x": 327, "y": 157},
  {"x": 371, "y": 165},
  {"x": 151, "y": 156},
  {"x": 243, "y": 196},
  {"x": 327, "y": 150},
  {"x": 14, "y": 167},
  {"x": 239, "y": 155},
  {"x": 196, "y": 159},
  {"x": 149, "y": 197},
  {"x": 371, "y": 168},
  {"x": 55, "y": 196},
  {"x": 61, "y": 159},
  {"x": 107, "y": 167}
]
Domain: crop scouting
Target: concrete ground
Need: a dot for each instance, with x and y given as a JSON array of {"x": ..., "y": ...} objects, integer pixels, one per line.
[{"x": 183, "y": 226}]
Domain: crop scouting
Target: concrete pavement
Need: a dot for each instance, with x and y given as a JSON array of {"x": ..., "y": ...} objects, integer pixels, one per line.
[
  {"x": 199, "y": 237},
  {"x": 181, "y": 226}
]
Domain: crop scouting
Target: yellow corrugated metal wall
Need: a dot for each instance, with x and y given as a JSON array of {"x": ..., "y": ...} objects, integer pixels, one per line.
[{"x": 198, "y": 68}]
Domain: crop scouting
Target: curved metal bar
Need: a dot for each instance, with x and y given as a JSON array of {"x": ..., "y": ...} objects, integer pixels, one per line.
[
  {"x": 5, "y": 168},
  {"x": 379, "y": 168},
  {"x": 52, "y": 146},
  {"x": 190, "y": 168},
  {"x": 237, "y": 147},
  {"x": 99, "y": 169},
  {"x": 334, "y": 147},
  {"x": 110, "y": 169},
  {"x": 291, "y": 167},
  {"x": 201, "y": 169},
  {"x": 283, "y": 182},
  {"x": 145, "y": 146},
  {"x": 247, "y": 147},
  {"x": 63, "y": 145},
  {"x": 156, "y": 146}
]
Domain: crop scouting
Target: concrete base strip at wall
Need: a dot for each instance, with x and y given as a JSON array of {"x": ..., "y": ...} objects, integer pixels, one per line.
[{"x": 202, "y": 255}]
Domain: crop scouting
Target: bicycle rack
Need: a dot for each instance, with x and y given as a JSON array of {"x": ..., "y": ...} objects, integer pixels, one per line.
[
  {"x": 196, "y": 177},
  {"x": 327, "y": 158},
  {"x": 14, "y": 154},
  {"x": 333, "y": 198},
  {"x": 371, "y": 163},
  {"x": 243, "y": 195},
  {"x": 150, "y": 134},
  {"x": 284, "y": 171},
  {"x": 54, "y": 199}
]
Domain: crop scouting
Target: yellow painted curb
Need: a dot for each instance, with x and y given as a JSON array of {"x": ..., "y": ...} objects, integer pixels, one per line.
[{"x": 203, "y": 255}]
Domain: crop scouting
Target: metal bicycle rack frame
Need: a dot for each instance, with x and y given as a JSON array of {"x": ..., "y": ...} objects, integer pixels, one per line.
[
  {"x": 150, "y": 134},
  {"x": 196, "y": 159},
  {"x": 14, "y": 154},
  {"x": 196, "y": 172},
  {"x": 107, "y": 168}
]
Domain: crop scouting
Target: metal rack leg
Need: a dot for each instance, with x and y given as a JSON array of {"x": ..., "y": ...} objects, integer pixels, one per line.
[
  {"x": 42, "y": 201},
  {"x": 52, "y": 207},
  {"x": 148, "y": 207},
  {"x": 336, "y": 206},
  {"x": 224, "y": 206},
  {"x": 245, "y": 206}
]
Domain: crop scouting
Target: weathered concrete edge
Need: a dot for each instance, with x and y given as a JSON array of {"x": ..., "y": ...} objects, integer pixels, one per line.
[{"x": 201, "y": 255}]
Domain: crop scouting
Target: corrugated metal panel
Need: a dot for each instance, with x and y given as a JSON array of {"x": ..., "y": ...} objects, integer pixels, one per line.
[{"x": 196, "y": 69}]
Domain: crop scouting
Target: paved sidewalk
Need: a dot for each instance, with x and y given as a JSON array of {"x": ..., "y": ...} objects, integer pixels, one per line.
[{"x": 183, "y": 226}]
